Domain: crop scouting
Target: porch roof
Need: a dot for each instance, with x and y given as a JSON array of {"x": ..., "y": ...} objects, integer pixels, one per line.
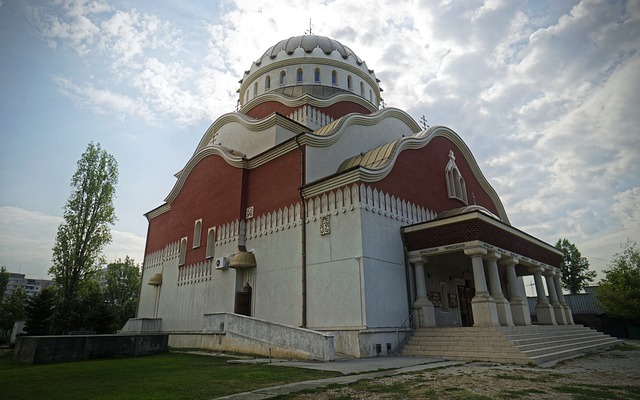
[{"x": 480, "y": 227}]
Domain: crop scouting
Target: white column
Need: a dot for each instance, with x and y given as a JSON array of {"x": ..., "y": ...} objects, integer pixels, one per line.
[
  {"x": 563, "y": 303},
  {"x": 426, "y": 313},
  {"x": 502, "y": 305},
  {"x": 553, "y": 297},
  {"x": 482, "y": 304},
  {"x": 543, "y": 309},
  {"x": 519, "y": 307}
]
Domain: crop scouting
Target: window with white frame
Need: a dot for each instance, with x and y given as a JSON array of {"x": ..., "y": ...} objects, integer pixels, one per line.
[
  {"x": 182, "y": 258},
  {"x": 197, "y": 229},
  {"x": 455, "y": 182},
  {"x": 267, "y": 83},
  {"x": 283, "y": 77},
  {"x": 334, "y": 77},
  {"x": 211, "y": 242},
  {"x": 299, "y": 75},
  {"x": 316, "y": 75}
]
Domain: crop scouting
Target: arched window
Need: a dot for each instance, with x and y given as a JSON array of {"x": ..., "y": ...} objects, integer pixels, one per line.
[
  {"x": 334, "y": 77},
  {"x": 349, "y": 83},
  {"x": 299, "y": 75},
  {"x": 197, "y": 228},
  {"x": 267, "y": 83},
  {"x": 255, "y": 89},
  {"x": 455, "y": 182},
  {"x": 316, "y": 75},
  {"x": 283, "y": 78},
  {"x": 371, "y": 95},
  {"x": 211, "y": 242},
  {"x": 182, "y": 258},
  {"x": 361, "y": 88}
]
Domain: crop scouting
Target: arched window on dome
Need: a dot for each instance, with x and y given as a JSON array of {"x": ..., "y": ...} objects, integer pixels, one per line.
[
  {"x": 267, "y": 83},
  {"x": 349, "y": 82},
  {"x": 371, "y": 95},
  {"x": 255, "y": 89},
  {"x": 334, "y": 77},
  {"x": 316, "y": 75},
  {"x": 361, "y": 88},
  {"x": 456, "y": 187},
  {"x": 299, "y": 75},
  {"x": 283, "y": 78}
]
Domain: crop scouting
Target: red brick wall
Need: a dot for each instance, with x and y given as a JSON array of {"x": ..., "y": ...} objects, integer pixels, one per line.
[
  {"x": 211, "y": 192},
  {"x": 335, "y": 110},
  {"x": 274, "y": 185},
  {"x": 419, "y": 176}
]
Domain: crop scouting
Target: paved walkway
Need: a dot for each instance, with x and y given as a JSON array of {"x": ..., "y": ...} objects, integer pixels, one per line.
[{"x": 353, "y": 370}]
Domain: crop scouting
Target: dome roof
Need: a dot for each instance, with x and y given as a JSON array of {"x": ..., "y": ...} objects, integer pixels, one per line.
[
  {"x": 465, "y": 210},
  {"x": 308, "y": 43}
]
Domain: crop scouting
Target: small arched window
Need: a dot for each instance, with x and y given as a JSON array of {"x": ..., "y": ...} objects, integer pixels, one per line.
[
  {"x": 283, "y": 78},
  {"x": 211, "y": 242},
  {"x": 316, "y": 75},
  {"x": 334, "y": 77},
  {"x": 455, "y": 182},
  {"x": 361, "y": 88},
  {"x": 349, "y": 83},
  {"x": 197, "y": 228},
  {"x": 182, "y": 258},
  {"x": 371, "y": 95},
  {"x": 255, "y": 89},
  {"x": 267, "y": 83},
  {"x": 299, "y": 75}
]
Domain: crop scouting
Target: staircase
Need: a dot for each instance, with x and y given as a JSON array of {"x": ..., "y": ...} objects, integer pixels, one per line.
[{"x": 536, "y": 344}]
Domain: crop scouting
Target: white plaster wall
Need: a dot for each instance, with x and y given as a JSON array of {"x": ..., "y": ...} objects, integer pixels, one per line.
[
  {"x": 334, "y": 274},
  {"x": 235, "y": 136},
  {"x": 384, "y": 274},
  {"x": 278, "y": 291},
  {"x": 323, "y": 161}
]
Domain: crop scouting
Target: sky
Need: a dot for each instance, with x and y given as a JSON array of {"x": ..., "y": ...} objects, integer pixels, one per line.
[{"x": 546, "y": 94}]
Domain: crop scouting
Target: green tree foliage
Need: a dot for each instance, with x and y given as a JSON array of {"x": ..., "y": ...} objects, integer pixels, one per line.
[
  {"x": 39, "y": 312},
  {"x": 4, "y": 280},
  {"x": 121, "y": 292},
  {"x": 12, "y": 309},
  {"x": 619, "y": 291},
  {"x": 85, "y": 230},
  {"x": 575, "y": 268}
]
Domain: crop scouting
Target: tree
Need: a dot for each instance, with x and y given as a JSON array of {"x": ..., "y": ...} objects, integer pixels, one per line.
[
  {"x": 574, "y": 267},
  {"x": 4, "y": 280},
  {"x": 11, "y": 310},
  {"x": 121, "y": 292},
  {"x": 619, "y": 291},
  {"x": 85, "y": 229},
  {"x": 39, "y": 312}
]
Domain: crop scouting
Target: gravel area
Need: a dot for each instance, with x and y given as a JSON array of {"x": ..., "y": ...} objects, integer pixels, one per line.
[{"x": 611, "y": 374}]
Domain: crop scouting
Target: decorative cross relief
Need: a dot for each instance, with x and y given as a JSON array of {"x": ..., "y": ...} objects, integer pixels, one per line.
[
  {"x": 325, "y": 225},
  {"x": 249, "y": 213}
]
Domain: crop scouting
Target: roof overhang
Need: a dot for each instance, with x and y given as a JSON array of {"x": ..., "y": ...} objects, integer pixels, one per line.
[{"x": 476, "y": 229}]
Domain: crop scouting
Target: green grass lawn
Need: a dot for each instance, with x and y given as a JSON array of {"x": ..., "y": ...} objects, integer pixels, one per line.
[{"x": 166, "y": 376}]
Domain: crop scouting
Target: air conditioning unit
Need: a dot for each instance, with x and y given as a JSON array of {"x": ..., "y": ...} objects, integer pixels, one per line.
[{"x": 222, "y": 263}]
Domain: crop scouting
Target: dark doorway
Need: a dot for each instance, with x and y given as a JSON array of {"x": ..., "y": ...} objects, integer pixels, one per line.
[
  {"x": 243, "y": 301},
  {"x": 465, "y": 295}
]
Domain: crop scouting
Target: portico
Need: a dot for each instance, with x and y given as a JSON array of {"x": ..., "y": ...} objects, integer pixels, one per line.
[{"x": 470, "y": 251}]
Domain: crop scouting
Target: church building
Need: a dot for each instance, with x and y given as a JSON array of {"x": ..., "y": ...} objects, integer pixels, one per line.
[{"x": 312, "y": 206}]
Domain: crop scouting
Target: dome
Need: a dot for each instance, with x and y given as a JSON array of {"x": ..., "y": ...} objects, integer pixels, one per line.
[{"x": 308, "y": 43}]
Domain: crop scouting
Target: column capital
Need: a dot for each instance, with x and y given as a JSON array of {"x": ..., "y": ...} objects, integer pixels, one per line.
[
  {"x": 536, "y": 270},
  {"x": 418, "y": 260},
  {"x": 509, "y": 261},
  {"x": 475, "y": 251},
  {"x": 548, "y": 272}
]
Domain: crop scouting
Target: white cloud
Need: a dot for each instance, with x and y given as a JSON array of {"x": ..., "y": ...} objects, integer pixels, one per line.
[{"x": 27, "y": 237}]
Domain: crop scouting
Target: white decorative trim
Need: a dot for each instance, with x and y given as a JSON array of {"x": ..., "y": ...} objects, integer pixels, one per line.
[
  {"x": 157, "y": 258},
  {"x": 311, "y": 117},
  {"x": 193, "y": 273}
]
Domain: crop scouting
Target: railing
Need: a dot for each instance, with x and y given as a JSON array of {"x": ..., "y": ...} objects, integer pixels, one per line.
[{"x": 406, "y": 329}]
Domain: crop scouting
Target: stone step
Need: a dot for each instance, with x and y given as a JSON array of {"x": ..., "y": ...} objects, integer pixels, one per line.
[{"x": 520, "y": 345}]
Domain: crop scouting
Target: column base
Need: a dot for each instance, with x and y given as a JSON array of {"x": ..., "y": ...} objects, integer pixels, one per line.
[
  {"x": 504, "y": 311},
  {"x": 520, "y": 313},
  {"x": 484, "y": 310},
  {"x": 558, "y": 311},
  {"x": 568, "y": 314},
  {"x": 426, "y": 313},
  {"x": 545, "y": 314}
]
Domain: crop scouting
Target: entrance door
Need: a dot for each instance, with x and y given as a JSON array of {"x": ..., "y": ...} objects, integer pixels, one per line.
[
  {"x": 465, "y": 295},
  {"x": 243, "y": 302}
]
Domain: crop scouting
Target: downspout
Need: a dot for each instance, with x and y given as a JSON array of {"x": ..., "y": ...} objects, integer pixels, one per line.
[
  {"x": 303, "y": 217},
  {"x": 406, "y": 271}
]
